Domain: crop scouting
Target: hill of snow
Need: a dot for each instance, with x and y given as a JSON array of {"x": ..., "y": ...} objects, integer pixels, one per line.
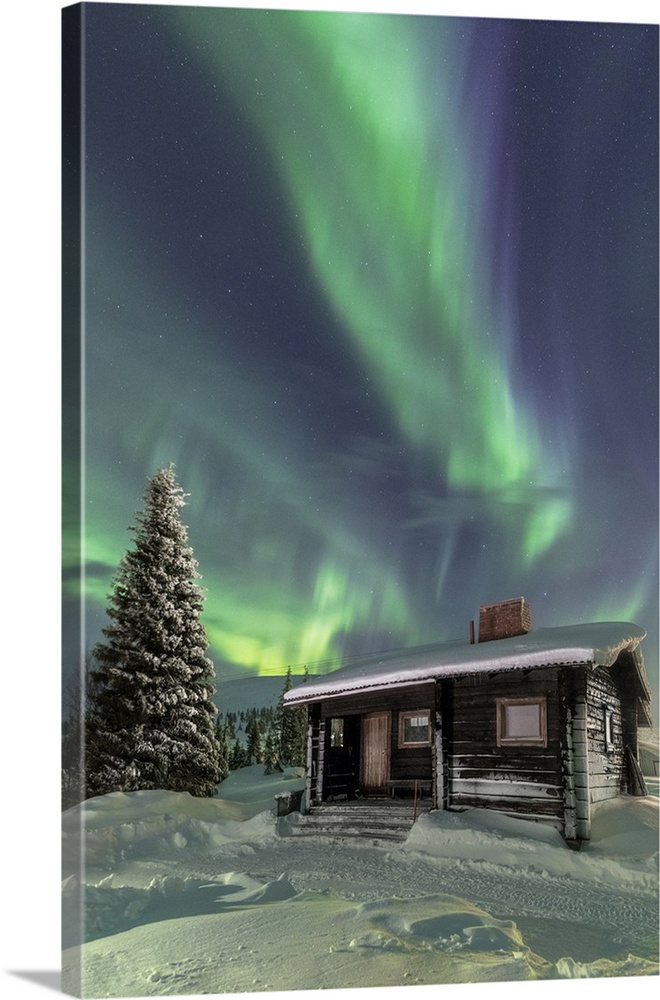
[{"x": 185, "y": 895}]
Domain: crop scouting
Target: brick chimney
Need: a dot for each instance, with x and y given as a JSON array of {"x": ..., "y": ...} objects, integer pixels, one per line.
[{"x": 504, "y": 619}]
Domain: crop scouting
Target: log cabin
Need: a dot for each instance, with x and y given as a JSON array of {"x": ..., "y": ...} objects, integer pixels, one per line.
[{"x": 540, "y": 724}]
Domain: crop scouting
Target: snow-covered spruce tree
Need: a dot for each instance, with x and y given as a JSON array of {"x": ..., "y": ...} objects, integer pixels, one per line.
[
  {"x": 272, "y": 751},
  {"x": 223, "y": 748},
  {"x": 293, "y": 727},
  {"x": 151, "y": 723},
  {"x": 253, "y": 748}
]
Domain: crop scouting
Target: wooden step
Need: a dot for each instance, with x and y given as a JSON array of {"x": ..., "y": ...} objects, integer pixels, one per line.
[{"x": 354, "y": 820}]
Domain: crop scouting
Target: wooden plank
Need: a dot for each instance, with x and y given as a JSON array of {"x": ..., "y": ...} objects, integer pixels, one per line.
[
  {"x": 489, "y": 763},
  {"x": 465, "y": 748},
  {"x": 525, "y": 808},
  {"x": 320, "y": 760},
  {"x": 604, "y": 794},
  {"x": 439, "y": 797},
  {"x": 422, "y": 769},
  {"x": 309, "y": 766},
  {"x": 604, "y": 778},
  {"x": 569, "y": 829},
  {"x": 375, "y": 770},
  {"x": 364, "y": 702},
  {"x": 503, "y": 788}
]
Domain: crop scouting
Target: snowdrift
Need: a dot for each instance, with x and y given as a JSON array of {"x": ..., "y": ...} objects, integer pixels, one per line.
[{"x": 183, "y": 895}]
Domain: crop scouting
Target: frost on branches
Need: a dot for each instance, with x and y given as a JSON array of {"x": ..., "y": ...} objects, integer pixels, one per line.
[{"x": 151, "y": 721}]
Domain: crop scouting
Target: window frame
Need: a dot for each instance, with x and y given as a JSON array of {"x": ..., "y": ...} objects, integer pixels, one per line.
[
  {"x": 413, "y": 714},
  {"x": 608, "y": 726},
  {"x": 522, "y": 741}
]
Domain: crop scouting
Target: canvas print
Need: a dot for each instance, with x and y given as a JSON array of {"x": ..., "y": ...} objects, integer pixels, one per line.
[{"x": 360, "y": 602}]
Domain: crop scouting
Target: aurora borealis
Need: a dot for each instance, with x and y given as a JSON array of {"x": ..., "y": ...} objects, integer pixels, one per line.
[{"x": 384, "y": 288}]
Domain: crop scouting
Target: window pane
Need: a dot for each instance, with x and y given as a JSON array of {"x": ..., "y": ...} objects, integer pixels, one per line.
[
  {"x": 522, "y": 722},
  {"x": 336, "y": 732},
  {"x": 416, "y": 729},
  {"x": 609, "y": 731}
]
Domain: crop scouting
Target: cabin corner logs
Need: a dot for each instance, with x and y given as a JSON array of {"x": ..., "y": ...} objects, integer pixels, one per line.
[{"x": 545, "y": 743}]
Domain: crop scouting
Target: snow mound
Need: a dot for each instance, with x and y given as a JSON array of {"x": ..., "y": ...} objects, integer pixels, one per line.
[
  {"x": 568, "y": 968},
  {"x": 162, "y": 824},
  {"x": 273, "y": 892},
  {"x": 437, "y": 922},
  {"x": 624, "y": 842},
  {"x": 626, "y": 827},
  {"x": 468, "y": 930},
  {"x": 112, "y": 908}
]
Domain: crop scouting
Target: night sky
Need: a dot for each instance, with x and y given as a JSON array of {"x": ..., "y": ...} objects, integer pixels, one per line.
[{"x": 385, "y": 289}]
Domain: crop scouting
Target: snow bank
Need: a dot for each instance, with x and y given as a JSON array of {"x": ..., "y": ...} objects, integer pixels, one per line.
[
  {"x": 164, "y": 824},
  {"x": 440, "y": 922},
  {"x": 626, "y": 827},
  {"x": 255, "y": 790},
  {"x": 186, "y": 895},
  {"x": 623, "y": 849}
]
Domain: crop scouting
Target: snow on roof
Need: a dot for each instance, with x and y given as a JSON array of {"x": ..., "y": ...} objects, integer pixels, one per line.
[{"x": 599, "y": 643}]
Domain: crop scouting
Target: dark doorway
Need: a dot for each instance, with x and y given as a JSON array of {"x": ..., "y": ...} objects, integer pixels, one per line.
[{"x": 342, "y": 756}]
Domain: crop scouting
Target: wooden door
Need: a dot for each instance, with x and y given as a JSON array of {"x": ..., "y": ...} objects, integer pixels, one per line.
[{"x": 375, "y": 751}]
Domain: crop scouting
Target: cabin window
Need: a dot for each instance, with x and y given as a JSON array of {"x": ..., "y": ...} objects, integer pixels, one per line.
[
  {"x": 609, "y": 729},
  {"x": 336, "y": 732},
  {"x": 415, "y": 728},
  {"x": 522, "y": 722}
]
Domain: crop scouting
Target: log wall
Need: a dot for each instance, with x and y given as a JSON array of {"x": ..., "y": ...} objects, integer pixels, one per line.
[
  {"x": 607, "y": 777},
  {"x": 519, "y": 780},
  {"x": 583, "y": 762},
  {"x": 393, "y": 699}
]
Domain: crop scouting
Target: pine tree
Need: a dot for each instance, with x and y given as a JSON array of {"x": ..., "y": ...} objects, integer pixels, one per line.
[
  {"x": 237, "y": 756},
  {"x": 272, "y": 751},
  {"x": 293, "y": 728},
  {"x": 284, "y": 720},
  {"x": 152, "y": 718},
  {"x": 76, "y": 695},
  {"x": 223, "y": 748},
  {"x": 301, "y": 727},
  {"x": 253, "y": 733}
]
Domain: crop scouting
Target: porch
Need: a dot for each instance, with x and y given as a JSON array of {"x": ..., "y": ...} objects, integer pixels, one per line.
[
  {"x": 372, "y": 819},
  {"x": 376, "y": 747}
]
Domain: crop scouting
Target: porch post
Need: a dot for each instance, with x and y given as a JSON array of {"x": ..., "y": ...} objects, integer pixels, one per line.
[
  {"x": 315, "y": 753},
  {"x": 567, "y": 758},
  {"x": 321, "y": 761},
  {"x": 310, "y": 760}
]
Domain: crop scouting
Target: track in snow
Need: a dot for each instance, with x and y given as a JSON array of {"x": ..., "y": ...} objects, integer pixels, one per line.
[{"x": 367, "y": 874}]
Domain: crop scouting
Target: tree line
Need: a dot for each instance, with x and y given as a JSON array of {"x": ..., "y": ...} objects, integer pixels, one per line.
[
  {"x": 275, "y": 737},
  {"x": 143, "y": 716}
]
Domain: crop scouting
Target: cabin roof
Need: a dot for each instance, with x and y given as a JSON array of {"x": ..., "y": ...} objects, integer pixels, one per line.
[{"x": 596, "y": 644}]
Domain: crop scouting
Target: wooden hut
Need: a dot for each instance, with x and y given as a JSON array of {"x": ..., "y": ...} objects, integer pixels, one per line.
[{"x": 541, "y": 724}]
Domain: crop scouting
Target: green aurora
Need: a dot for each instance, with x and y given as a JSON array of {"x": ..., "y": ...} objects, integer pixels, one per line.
[{"x": 304, "y": 286}]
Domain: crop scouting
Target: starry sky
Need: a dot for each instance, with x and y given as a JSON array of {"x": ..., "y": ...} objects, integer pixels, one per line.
[{"x": 385, "y": 289}]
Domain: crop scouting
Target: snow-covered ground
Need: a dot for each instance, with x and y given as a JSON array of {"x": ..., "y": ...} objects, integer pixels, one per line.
[{"x": 194, "y": 896}]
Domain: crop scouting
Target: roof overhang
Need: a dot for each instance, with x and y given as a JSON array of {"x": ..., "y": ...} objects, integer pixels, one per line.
[{"x": 597, "y": 644}]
